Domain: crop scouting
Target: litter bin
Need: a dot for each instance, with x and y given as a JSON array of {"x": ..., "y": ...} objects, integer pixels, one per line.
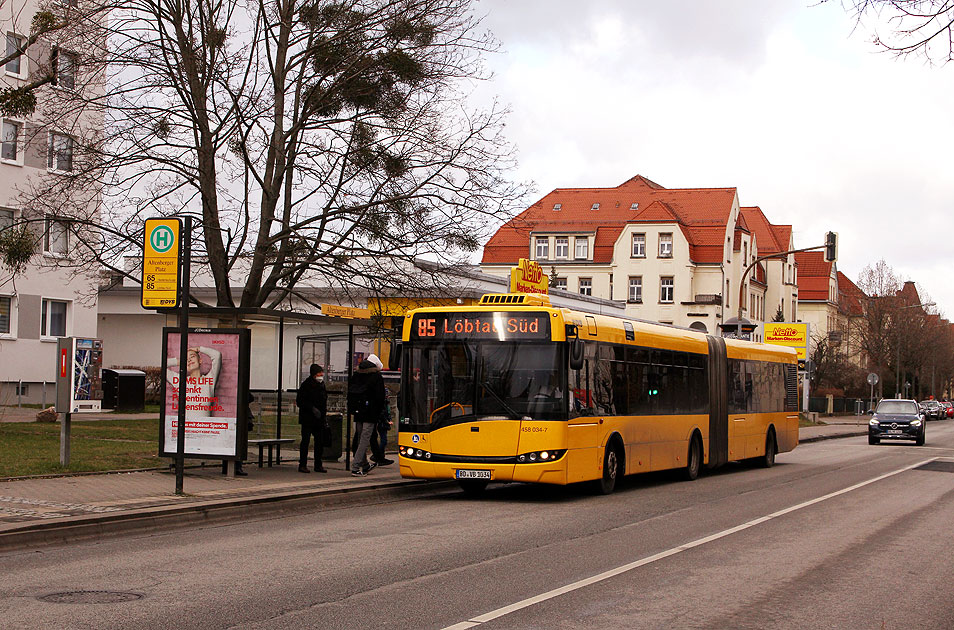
[
  {"x": 124, "y": 389},
  {"x": 333, "y": 452}
]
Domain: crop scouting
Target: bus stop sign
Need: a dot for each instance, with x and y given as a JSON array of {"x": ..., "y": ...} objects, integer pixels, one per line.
[{"x": 160, "y": 263}]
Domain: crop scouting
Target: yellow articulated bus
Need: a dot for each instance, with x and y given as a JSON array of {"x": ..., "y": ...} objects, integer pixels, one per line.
[{"x": 513, "y": 389}]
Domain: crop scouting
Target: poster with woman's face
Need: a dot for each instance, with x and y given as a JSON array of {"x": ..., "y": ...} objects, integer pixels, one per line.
[{"x": 212, "y": 392}]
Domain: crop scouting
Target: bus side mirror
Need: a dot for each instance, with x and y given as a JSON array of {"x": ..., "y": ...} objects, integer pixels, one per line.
[
  {"x": 394, "y": 361},
  {"x": 576, "y": 354}
]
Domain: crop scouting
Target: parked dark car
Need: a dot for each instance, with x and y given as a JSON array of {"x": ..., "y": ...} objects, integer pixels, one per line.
[
  {"x": 932, "y": 410},
  {"x": 897, "y": 419}
]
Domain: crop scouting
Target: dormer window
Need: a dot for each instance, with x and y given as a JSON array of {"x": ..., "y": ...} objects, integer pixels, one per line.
[
  {"x": 543, "y": 247},
  {"x": 596, "y": 206},
  {"x": 582, "y": 248},
  {"x": 557, "y": 207}
]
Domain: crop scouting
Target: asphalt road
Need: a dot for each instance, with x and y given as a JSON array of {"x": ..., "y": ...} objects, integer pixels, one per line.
[{"x": 838, "y": 535}]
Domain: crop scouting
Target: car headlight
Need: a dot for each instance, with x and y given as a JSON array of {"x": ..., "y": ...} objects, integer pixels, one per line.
[
  {"x": 873, "y": 422},
  {"x": 915, "y": 423}
]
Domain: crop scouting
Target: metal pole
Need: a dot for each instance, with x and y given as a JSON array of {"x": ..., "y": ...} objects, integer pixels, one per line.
[
  {"x": 186, "y": 245},
  {"x": 347, "y": 414},
  {"x": 65, "y": 441},
  {"x": 281, "y": 358}
]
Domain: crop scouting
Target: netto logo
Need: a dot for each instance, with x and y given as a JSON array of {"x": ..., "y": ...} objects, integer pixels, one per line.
[{"x": 162, "y": 239}]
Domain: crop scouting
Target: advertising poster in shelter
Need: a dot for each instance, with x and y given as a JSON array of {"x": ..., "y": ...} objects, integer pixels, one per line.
[{"x": 216, "y": 362}]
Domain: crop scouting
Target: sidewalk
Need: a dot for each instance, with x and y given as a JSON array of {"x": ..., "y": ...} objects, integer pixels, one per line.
[{"x": 60, "y": 509}]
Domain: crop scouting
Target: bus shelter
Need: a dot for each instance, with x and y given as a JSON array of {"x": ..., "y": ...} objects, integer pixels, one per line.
[{"x": 283, "y": 345}]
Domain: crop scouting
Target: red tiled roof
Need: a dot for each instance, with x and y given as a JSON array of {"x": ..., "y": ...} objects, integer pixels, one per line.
[
  {"x": 851, "y": 299},
  {"x": 813, "y": 275},
  {"x": 697, "y": 211},
  {"x": 771, "y": 239}
]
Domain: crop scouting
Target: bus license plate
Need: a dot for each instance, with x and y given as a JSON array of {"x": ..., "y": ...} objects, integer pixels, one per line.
[{"x": 473, "y": 474}]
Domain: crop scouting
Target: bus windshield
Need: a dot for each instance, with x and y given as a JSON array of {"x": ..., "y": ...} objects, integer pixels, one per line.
[{"x": 465, "y": 381}]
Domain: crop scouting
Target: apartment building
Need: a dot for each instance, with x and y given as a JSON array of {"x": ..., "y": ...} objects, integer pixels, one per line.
[
  {"x": 675, "y": 256},
  {"x": 48, "y": 300}
]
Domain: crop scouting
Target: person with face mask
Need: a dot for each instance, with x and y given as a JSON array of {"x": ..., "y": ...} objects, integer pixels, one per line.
[{"x": 312, "y": 401}]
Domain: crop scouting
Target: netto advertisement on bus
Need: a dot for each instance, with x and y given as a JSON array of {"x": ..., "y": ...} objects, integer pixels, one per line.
[
  {"x": 498, "y": 326},
  {"x": 216, "y": 363}
]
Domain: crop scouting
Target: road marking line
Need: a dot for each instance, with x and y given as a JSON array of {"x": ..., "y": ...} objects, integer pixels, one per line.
[{"x": 536, "y": 599}]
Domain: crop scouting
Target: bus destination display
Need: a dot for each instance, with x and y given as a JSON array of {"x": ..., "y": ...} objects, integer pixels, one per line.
[{"x": 498, "y": 326}]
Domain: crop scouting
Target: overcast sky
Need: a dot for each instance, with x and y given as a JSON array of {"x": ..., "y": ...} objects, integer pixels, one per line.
[{"x": 784, "y": 100}]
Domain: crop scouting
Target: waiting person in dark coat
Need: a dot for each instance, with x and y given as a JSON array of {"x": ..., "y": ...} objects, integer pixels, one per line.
[
  {"x": 379, "y": 437},
  {"x": 312, "y": 401},
  {"x": 366, "y": 400}
]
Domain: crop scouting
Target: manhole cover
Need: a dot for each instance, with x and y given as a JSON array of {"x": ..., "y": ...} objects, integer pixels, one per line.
[
  {"x": 90, "y": 597},
  {"x": 939, "y": 466}
]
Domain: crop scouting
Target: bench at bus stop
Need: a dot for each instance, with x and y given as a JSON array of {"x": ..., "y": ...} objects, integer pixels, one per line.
[{"x": 274, "y": 445}]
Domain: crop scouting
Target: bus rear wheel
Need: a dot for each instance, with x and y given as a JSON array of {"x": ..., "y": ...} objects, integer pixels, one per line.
[
  {"x": 473, "y": 487},
  {"x": 693, "y": 460}
]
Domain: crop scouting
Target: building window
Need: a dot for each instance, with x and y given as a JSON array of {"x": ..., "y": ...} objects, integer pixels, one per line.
[
  {"x": 636, "y": 289},
  {"x": 666, "y": 289},
  {"x": 639, "y": 245},
  {"x": 595, "y": 206},
  {"x": 557, "y": 207},
  {"x": 582, "y": 248},
  {"x": 61, "y": 153},
  {"x": 561, "y": 247},
  {"x": 14, "y": 45},
  {"x": 53, "y": 318},
  {"x": 6, "y": 304},
  {"x": 586, "y": 286},
  {"x": 10, "y": 137},
  {"x": 56, "y": 238},
  {"x": 665, "y": 245},
  {"x": 64, "y": 68},
  {"x": 727, "y": 294},
  {"x": 6, "y": 218},
  {"x": 559, "y": 283}
]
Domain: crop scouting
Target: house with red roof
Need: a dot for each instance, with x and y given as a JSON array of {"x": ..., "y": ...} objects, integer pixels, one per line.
[
  {"x": 817, "y": 293},
  {"x": 672, "y": 255}
]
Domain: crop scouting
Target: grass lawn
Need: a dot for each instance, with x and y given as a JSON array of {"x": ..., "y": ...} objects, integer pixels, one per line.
[{"x": 33, "y": 448}]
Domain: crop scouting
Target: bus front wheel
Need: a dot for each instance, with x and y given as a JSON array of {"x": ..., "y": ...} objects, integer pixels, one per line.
[{"x": 612, "y": 469}]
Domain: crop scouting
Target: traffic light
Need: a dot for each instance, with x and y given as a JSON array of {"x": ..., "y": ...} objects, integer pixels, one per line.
[{"x": 831, "y": 246}]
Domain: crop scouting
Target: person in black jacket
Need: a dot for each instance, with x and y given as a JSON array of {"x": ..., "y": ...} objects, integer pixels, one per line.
[
  {"x": 366, "y": 400},
  {"x": 312, "y": 401}
]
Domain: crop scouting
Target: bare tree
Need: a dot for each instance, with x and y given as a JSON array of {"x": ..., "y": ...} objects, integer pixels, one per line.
[
  {"x": 908, "y": 27},
  {"x": 316, "y": 143}
]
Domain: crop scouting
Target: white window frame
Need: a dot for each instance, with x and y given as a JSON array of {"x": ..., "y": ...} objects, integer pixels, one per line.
[
  {"x": 587, "y": 288},
  {"x": 559, "y": 283},
  {"x": 542, "y": 248},
  {"x": 22, "y": 59},
  {"x": 581, "y": 248},
  {"x": 46, "y": 314},
  {"x": 667, "y": 285},
  {"x": 635, "y": 294},
  {"x": 663, "y": 241},
  {"x": 12, "y": 316},
  {"x": 18, "y": 141},
  {"x": 58, "y": 68},
  {"x": 53, "y": 162},
  {"x": 13, "y": 217},
  {"x": 48, "y": 241},
  {"x": 639, "y": 252},
  {"x": 565, "y": 242}
]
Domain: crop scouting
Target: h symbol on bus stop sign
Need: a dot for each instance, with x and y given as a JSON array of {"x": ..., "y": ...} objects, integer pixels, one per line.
[{"x": 162, "y": 239}]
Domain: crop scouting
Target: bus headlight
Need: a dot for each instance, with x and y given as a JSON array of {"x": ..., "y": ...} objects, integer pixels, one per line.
[
  {"x": 413, "y": 453},
  {"x": 536, "y": 457}
]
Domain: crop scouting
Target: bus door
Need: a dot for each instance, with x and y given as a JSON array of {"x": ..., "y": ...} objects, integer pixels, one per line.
[{"x": 583, "y": 452}]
